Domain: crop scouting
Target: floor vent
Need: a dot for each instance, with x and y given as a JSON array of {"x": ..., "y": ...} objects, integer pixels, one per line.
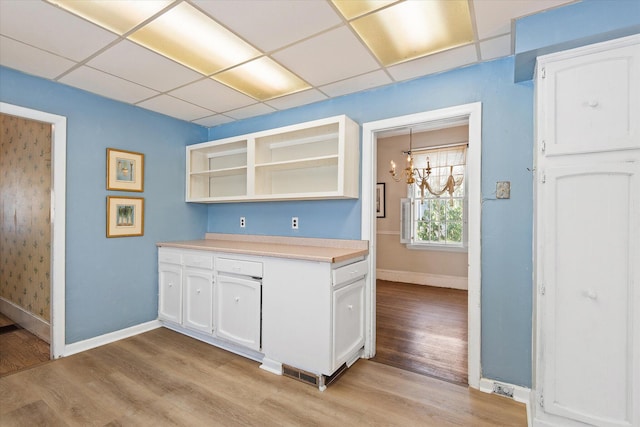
[
  {"x": 300, "y": 375},
  {"x": 503, "y": 389},
  {"x": 320, "y": 381}
]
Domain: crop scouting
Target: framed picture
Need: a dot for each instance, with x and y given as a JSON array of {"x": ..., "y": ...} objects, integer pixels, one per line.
[
  {"x": 125, "y": 216},
  {"x": 380, "y": 202},
  {"x": 125, "y": 170}
]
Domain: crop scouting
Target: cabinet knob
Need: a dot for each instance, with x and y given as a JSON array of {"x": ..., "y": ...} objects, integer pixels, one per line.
[
  {"x": 591, "y": 294},
  {"x": 237, "y": 299},
  {"x": 171, "y": 284},
  {"x": 592, "y": 103},
  {"x": 198, "y": 291},
  {"x": 350, "y": 306}
]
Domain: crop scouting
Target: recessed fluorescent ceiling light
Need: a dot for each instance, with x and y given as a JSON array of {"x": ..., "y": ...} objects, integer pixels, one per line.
[
  {"x": 262, "y": 79},
  {"x": 118, "y": 16},
  {"x": 412, "y": 29},
  {"x": 352, "y": 9},
  {"x": 191, "y": 38}
]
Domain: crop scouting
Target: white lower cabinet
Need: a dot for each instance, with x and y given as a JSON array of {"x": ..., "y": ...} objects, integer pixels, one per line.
[
  {"x": 185, "y": 290},
  {"x": 238, "y": 311},
  {"x": 313, "y": 314},
  {"x": 170, "y": 292},
  {"x": 305, "y": 314},
  {"x": 198, "y": 299},
  {"x": 348, "y": 321}
]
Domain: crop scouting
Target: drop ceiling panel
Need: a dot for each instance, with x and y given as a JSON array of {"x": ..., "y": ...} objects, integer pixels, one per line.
[
  {"x": 328, "y": 57},
  {"x": 250, "y": 111},
  {"x": 216, "y": 120},
  {"x": 270, "y": 25},
  {"x": 297, "y": 99},
  {"x": 45, "y": 26},
  {"x": 174, "y": 107},
  {"x": 435, "y": 63},
  {"x": 496, "y": 48},
  {"x": 139, "y": 65},
  {"x": 107, "y": 85},
  {"x": 212, "y": 95},
  {"x": 356, "y": 84},
  {"x": 493, "y": 17},
  {"x": 31, "y": 60}
]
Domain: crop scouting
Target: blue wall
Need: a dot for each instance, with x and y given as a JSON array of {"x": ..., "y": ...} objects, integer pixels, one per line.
[{"x": 111, "y": 284}]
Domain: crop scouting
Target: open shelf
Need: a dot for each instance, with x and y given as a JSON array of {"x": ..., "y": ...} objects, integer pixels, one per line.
[{"x": 318, "y": 159}]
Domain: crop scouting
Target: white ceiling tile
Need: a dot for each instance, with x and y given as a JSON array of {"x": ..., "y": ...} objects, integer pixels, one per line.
[
  {"x": 31, "y": 60},
  {"x": 496, "y": 48},
  {"x": 49, "y": 28},
  {"x": 250, "y": 111},
  {"x": 493, "y": 17},
  {"x": 329, "y": 57},
  {"x": 216, "y": 120},
  {"x": 356, "y": 84},
  {"x": 174, "y": 107},
  {"x": 270, "y": 25},
  {"x": 107, "y": 85},
  {"x": 139, "y": 65},
  {"x": 297, "y": 99},
  {"x": 215, "y": 96},
  {"x": 435, "y": 63}
]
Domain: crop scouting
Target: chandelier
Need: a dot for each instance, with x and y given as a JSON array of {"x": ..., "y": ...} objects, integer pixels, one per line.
[{"x": 420, "y": 176}]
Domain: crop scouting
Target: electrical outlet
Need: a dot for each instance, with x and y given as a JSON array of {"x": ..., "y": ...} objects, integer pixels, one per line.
[
  {"x": 503, "y": 190},
  {"x": 294, "y": 222},
  {"x": 243, "y": 222}
]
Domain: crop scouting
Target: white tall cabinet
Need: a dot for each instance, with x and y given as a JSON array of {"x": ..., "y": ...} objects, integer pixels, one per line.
[{"x": 587, "y": 236}]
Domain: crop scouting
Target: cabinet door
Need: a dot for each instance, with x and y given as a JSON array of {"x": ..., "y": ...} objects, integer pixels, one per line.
[
  {"x": 590, "y": 229},
  {"x": 591, "y": 100},
  {"x": 348, "y": 321},
  {"x": 198, "y": 303},
  {"x": 170, "y": 292},
  {"x": 238, "y": 310}
]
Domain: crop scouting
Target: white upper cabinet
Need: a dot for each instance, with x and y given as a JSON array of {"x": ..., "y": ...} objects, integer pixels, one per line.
[
  {"x": 312, "y": 160},
  {"x": 591, "y": 99}
]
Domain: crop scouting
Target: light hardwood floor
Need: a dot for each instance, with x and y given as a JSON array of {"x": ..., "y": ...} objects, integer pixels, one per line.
[
  {"x": 163, "y": 378},
  {"x": 422, "y": 329}
]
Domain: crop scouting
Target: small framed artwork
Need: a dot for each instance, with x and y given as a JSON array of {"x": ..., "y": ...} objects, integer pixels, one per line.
[
  {"x": 125, "y": 216},
  {"x": 125, "y": 170},
  {"x": 380, "y": 202}
]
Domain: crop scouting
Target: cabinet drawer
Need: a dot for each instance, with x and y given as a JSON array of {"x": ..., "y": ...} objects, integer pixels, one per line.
[
  {"x": 170, "y": 257},
  {"x": 200, "y": 261},
  {"x": 350, "y": 272},
  {"x": 236, "y": 266}
]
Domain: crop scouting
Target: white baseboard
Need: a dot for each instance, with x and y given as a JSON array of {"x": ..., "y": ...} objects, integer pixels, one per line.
[
  {"x": 437, "y": 280},
  {"x": 94, "y": 342},
  {"x": 29, "y": 321}
]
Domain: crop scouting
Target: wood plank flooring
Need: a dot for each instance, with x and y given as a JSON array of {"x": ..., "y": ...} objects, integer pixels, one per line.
[
  {"x": 422, "y": 329},
  {"x": 163, "y": 378},
  {"x": 19, "y": 348}
]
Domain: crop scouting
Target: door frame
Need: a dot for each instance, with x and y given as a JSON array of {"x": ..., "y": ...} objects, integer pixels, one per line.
[
  {"x": 470, "y": 114},
  {"x": 58, "y": 217}
]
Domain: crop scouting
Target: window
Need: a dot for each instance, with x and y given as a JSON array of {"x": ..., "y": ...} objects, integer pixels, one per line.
[{"x": 437, "y": 220}]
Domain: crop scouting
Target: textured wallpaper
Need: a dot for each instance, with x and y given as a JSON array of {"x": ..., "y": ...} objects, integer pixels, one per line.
[{"x": 25, "y": 223}]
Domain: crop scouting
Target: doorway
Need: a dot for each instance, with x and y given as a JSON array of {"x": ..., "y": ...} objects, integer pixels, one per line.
[
  {"x": 56, "y": 273},
  {"x": 421, "y": 267},
  {"x": 469, "y": 114}
]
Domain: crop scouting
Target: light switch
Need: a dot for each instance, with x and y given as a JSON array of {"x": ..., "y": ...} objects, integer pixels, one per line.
[{"x": 503, "y": 190}]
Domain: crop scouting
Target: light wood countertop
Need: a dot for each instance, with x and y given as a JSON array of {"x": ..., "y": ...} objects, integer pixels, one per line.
[{"x": 309, "y": 249}]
